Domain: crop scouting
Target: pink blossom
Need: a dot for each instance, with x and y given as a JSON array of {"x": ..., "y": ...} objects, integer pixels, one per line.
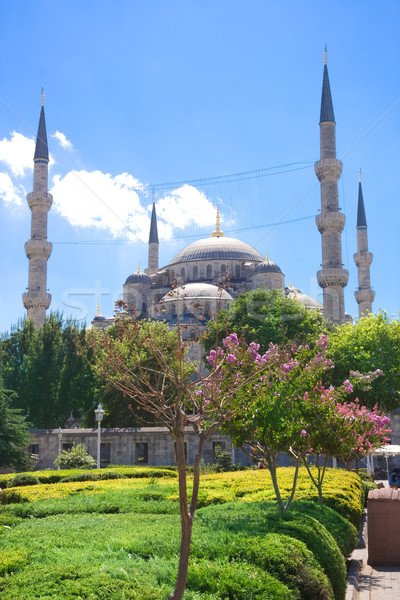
[{"x": 303, "y": 432}]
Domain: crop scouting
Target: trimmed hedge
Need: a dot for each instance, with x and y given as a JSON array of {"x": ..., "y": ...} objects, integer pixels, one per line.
[
  {"x": 256, "y": 519},
  {"x": 51, "y": 476}
]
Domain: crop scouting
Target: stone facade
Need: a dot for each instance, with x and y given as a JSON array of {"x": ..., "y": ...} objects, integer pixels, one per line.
[{"x": 129, "y": 446}]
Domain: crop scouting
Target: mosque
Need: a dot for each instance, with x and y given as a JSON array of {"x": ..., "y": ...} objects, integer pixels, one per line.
[{"x": 193, "y": 277}]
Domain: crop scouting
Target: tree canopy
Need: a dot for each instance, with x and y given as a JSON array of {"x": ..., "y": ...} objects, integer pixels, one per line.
[
  {"x": 371, "y": 343},
  {"x": 266, "y": 317}
]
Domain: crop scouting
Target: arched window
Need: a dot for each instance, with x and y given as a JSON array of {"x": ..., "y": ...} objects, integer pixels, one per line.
[
  {"x": 209, "y": 272},
  {"x": 207, "y": 309},
  {"x": 223, "y": 269},
  {"x": 183, "y": 274},
  {"x": 195, "y": 272},
  {"x": 237, "y": 271}
]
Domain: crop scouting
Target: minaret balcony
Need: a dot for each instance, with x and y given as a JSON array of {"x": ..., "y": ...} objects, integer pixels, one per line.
[
  {"x": 38, "y": 249},
  {"x": 364, "y": 296},
  {"x": 41, "y": 201},
  {"x": 36, "y": 300},
  {"x": 328, "y": 169},
  {"x": 332, "y": 277},
  {"x": 330, "y": 221},
  {"x": 363, "y": 259}
]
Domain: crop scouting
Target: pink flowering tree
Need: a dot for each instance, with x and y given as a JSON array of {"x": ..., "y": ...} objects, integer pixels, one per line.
[
  {"x": 340, "y": 429},
  {"x": 150, "y": 365},
  {"x": 284, "y": 400}
]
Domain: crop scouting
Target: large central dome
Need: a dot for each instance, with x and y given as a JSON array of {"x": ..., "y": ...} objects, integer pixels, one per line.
[{"x": 217, "y": 248}]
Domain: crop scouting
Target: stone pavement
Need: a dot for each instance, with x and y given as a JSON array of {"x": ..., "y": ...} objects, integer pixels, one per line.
[{"x": 371, "y": 583}]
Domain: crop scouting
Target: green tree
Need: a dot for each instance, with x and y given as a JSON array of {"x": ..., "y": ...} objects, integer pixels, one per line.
[
  {"x": 266, "y": 317},
  {"x": 47, "y": 373},
  {"x": 369, "y": 344},
  {"x": 14, "y": 437}
]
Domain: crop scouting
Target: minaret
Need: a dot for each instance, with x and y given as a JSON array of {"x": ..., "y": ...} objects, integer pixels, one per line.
[
  {"x": 332, "y": 277},
  {"x": 363, "y": 259},
  {"x": 153, "y": 241},
  {"x": 36, "y": 300}
]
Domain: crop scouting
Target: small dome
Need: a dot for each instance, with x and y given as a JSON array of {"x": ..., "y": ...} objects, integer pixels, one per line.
[
  {"x": 217, "y": 248},
  {"x": 267, "y": 267},
  {"x": 197, "y": 290},
  {"x": 138, "y": 278},
  {"x": 307, "y": 301},
  {"x": 99, "y": 318}
]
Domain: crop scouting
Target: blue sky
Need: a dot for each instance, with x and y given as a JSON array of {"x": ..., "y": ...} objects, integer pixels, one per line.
[{"x": 139, "y": 93}]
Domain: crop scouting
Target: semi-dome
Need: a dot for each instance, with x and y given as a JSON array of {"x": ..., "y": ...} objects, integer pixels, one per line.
[
  {"x": 267, "y": 266},
  {"x": 197, "y": 290},
  {"x": 138, "y": 278},
  {"x": 217, "y": 248}
]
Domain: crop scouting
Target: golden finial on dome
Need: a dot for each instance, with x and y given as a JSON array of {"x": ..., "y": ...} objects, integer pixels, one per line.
[
  {"x": 217, "y": 231},
  {"x": 325, "y": 52},
  {"x": 267, "y": 257},
  {"x": 138, "y": 268},
  {"x": 359, "y": 176},
  {"x": 98, "y": 309},
  {"x": 42, "y": 97}
]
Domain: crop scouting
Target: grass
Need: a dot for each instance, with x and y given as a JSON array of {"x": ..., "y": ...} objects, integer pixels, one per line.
[{"x": 120, "y": 539}]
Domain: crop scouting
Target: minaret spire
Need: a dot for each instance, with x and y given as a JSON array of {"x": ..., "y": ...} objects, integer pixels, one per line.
[
  {"x": 332, "y": 277},
  {"x": 36, "y": 300},
  {"x": 153, "y": 241},
  {"x": 363, "y": 259}
]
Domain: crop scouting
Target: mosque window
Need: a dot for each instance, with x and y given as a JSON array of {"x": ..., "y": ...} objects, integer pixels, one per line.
[
  {"x": 223, "y": 269},
  {"x": 237, "y": 271},
  {"x": 183, "y": 273},
  {"x": 209, "y": 272},
  {"x": 195, "y": 272}
]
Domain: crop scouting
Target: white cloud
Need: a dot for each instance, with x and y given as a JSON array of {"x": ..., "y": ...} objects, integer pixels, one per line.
[
  {"x": 17, "y": 153},
  {"x": 62, "y": 140},
  {"x": 9, "y": 192},
  {"x": 96, "y": 199},
  {"x": 186, "y": 206}
]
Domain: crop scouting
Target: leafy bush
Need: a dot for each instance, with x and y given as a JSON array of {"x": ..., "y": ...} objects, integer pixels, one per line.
[
  {"x": 75, "y": 457},
  {"x": 235, "y": 580},
  {"x": 104, "y": 475},
  {"x": 223, "y": 460},
  {"x": 11, "y": 561},
  {"x": 23, "y": 479},
  {"x": 11, "y": 497}
]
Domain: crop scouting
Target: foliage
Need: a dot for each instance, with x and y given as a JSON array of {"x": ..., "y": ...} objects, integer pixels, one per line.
[
  {"x": 76, "y": 457},
  {"x": 14, "y": 437},
  {"x": 46, "y": 372},
  {"x": 248, "y": 538},
  {"x": 23, "y": 479},
  {"x": 223, "y": 460},
  {"x": 266, "y": 317},
  {"x": 372, "y": 342},
  {"x": 150, "y": 364},
  {"x": 51, "y": 476}
]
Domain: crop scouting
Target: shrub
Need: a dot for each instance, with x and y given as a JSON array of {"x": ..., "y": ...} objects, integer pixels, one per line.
[
  {"x": 11, "y": 497},
  {"x": 223, "y": 460},
  {"x": 11, "y": 561},
  {"x": 23, "y": 479},
  {"x": 76, "y": 457},
  {"x": 235, "y": 580},
  {"x": 104, "y": 475}
]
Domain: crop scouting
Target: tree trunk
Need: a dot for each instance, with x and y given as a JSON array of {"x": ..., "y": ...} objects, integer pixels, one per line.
[{"x": 186, "y": 522}]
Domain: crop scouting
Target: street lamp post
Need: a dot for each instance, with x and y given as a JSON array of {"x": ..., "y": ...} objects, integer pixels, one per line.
[
  {"x": 59, "y": 435},
  {"x": 99, "y": 412}
]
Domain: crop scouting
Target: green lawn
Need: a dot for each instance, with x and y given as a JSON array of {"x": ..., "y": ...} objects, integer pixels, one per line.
[{"x": 120, "y": 539}]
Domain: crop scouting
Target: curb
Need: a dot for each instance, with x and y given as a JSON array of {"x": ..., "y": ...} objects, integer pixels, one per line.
[{"x": 358, "y": 559}]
